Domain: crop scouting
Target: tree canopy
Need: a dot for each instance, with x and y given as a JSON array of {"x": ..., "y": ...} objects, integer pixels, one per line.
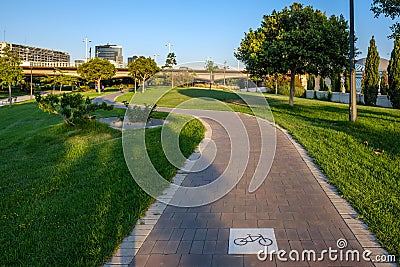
[
  {"x": 297, "y": 40},
  {"x": 388, "y": 8},
  {"x": 143, "y": 68},
  {"x": 96, "y": 70},
  {"x": 170, "y": 62},
  {"x": 11, "y": 72},
  {"x": 59, "y": 78}
]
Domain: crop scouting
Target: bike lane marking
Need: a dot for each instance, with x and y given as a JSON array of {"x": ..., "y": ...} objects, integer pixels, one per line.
[{"x": 252, "y": 240}]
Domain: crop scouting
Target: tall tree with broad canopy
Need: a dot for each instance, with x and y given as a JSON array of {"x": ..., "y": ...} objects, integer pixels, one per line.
[
  {"x": 96, "y": 70},
  {"x": 143, "y": 68},
  {"x": 11, "y": 72},
  {"x": 296, "y": 40},
  {"x": 371, "y": 79},
  {"x": 388, "y": 8}
]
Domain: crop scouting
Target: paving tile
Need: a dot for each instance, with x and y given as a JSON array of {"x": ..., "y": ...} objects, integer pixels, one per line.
[
  {"x": 139, "y": 261},
  {"x": 227, "y": 260},
  {"x": 197, "y": 247},
  {"x": 196, "y": 260},
  {"x": 163, "y": 260}
]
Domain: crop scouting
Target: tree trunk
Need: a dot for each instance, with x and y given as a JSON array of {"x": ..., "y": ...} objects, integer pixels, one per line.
[
  {"x": 276, "y": 85},
  {"x": 99, "y": 86},
  {"x": 143, "y": 85},
  {"x": 9, "y": 94},
  {"x": 135, "y": 85},
  {"x": 292, "y": 80},
  {"x": 61, "y": 86}
]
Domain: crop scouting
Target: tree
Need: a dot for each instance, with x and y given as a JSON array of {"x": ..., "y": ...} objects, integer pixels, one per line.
[
  {"x": 143, "y": 68},
  {"x": 210, "y": 67},
  {"x": 11, "y": 72},
  {"x": 371, "y": 80},
  {"x": 322, "y": 85},
  {"x": 384, "y": 82},
  {"x": 96, "y": 70},
  {"x": 59, "y": 78},
  {"x": 311, "y": 82},
  {"x": 394, "y": 75},
  {"x": 297, "y": 40},
  {"x": 336, "y": 82},
  {"x": 170, "y": 62},
  {"x": 388, "y": 8}
]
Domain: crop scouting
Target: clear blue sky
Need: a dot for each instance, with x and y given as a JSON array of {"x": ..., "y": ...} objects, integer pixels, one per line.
[{"x": 197, "y": 29}]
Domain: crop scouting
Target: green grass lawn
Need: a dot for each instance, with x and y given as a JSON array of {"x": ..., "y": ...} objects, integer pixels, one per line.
[
  {"x": 66, "y": 195},
  {"x": 370, "y": 182}
]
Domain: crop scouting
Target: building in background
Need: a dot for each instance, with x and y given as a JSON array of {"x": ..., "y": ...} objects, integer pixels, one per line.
[
  {"x": 112, "y": 53},
  {"x": 131, "y": 59},
  {"x": 41, "y": 57}
]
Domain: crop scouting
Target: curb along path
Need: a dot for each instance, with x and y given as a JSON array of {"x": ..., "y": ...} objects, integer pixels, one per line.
[{"x": 295, "y": 201}]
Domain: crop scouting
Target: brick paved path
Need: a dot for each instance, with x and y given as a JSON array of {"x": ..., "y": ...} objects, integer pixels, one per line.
[{"x": 291, "y": 201}]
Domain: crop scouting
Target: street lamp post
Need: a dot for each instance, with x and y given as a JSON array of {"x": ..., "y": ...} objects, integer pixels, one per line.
[
  {"x": 155, "y": 57},
  {"x": 169, "y": 47},
  {"x": 86, "y": 41},
  {"x": 54, "y": 81},
  {"x": 31, "y": 65},
  {"x": 353, "y": 93}
]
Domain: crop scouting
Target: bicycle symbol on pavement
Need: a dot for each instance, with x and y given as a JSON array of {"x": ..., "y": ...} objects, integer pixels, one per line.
[{"x": 263, "y": 241}]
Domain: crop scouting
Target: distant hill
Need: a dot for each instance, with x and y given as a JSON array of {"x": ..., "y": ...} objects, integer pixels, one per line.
[{"x": 384, "y": 64}]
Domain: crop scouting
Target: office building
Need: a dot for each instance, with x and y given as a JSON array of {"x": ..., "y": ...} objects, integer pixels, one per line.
[
  {"x": 31, "y": 55},
  {"x": 113, "y": 53}
]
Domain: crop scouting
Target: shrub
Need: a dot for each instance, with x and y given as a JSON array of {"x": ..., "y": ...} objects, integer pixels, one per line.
[
  {"x": 285, "y": 90},
  {"x": 140, "y": 114},
  {"x": 72, "y": 108}
]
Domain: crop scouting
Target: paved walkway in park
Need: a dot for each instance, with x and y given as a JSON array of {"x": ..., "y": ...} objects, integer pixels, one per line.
[
  {"x": 23, "y": 98},
  {"x": 295, "y": 200}
]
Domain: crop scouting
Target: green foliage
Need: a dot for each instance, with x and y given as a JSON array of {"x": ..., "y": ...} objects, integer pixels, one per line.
[
  {"x": 336, "y": 82},
  {"x": 347, "y": 80},
  {"x": 72, "y": 108},
  {"x": 170, "y": 62},
  {"x": 311, "y": 82},
  {"x": 141, "y": 69},
  {"x": 394, "y": 75},
  {"x": 389, "y": 8},
  {"x": 384, "y": 82},
  {"x": 371, "y": 80},
  {"x": 96, "y": 70},
  {"x": 322, "y": 84},
  {"x": 285, "y": 90},
  {"x": 293, "y": 39},
  {"x": 140, "y": 114},
  {"x": 11, "y": 73}
]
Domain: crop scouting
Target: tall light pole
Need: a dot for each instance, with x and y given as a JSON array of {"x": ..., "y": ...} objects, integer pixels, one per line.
[
  {"x": 169, "y": 47},
  {"x": 86, "y": 41},
  {"x": 353, "y": 93},
  {"x": 31, "y": 65},
  {"x": 155, "y": 57}
]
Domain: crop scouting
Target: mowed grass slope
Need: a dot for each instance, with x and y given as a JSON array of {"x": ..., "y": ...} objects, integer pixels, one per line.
[
  {"x": 66, "y": 195},
  {"x": 367, "y": 178}
]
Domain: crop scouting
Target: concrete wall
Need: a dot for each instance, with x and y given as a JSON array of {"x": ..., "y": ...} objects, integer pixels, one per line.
[{"x": 382, "y": 100}]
